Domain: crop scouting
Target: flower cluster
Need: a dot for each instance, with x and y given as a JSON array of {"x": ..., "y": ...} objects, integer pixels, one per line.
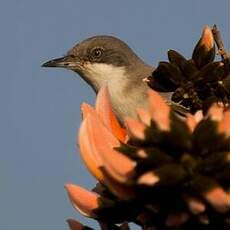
[
  {"x": 160, "y": 171},
  {"x": 198, "y": 82}
]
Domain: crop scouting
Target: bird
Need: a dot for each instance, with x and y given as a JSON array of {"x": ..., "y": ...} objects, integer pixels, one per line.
[{"x": 106, "y": 60}]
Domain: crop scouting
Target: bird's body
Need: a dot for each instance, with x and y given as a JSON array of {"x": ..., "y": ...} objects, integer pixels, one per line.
[{"x": 107, "y": 60}]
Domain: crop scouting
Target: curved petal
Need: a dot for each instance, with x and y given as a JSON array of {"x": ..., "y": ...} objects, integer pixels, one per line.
[
  {"x": 89, "y": 157},
  {"x": 86, "y": 109},
  {"x": 219, "y": 199},
  {"x": 198, "y": 116},
  {"x": 190, "y": 121},
  {"x": 105, "y": 112},
  {"x": 103, "y": 142},
  {"x": 144, "y": 116},
  {"x": 224, "y": 124},
  {"x": 195, "y": 205},
  {"x": 215, "y": 112},
  {"x": 159, "y": 110},
  {"x": 82, "y": 200},
  {"x": 121, "y": 190},
  {"x": 135, "y": 128},
  {"x": 148, "y": 178}
]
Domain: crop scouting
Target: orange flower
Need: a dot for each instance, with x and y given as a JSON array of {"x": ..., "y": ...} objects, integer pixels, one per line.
[{"x": 100, "y": 133}]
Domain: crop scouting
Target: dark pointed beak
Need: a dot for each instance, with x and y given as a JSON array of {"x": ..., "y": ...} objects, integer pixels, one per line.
[{"x": 63, "y": 62}]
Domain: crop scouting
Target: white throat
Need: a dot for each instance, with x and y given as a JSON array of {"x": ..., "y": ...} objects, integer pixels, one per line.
[
  {"x": 124, "y": 100},
  {"x": 100, "y": 74}
]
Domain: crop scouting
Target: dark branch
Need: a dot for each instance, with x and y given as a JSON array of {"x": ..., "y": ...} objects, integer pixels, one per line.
[{"x": 219, "y": 42}]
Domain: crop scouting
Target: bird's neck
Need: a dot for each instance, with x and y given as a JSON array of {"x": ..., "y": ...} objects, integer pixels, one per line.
[{"x": 127, "y": 90}]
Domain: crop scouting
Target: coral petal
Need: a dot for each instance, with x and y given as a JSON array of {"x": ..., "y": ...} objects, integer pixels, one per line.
[
  {"x": 215, "y": 112},
  {"x": 195, "y": 206},
  {"x": 135, "y": 128},
  {"x": 142, "y": 153},
  {"x": 74, "y": 225},
  {"x": 224, "y": 124},
  {"x": 159, "y": 110},
  {"x": 86, "y": 109},
  {"x": 123, "y": 191},
  {"x": 144, "y": 116},
  {"x": 198, "y": 116},
  {"x": 82, "y": 200},
  {"x": 105, "y": 112},
  {"x": 103, "y": 142},
  {"x": 219, "y": 199},
  {"x": 89, "y": 157},
  {"x": 190, "y": 121},
  {"x": 149, "y": 178}
]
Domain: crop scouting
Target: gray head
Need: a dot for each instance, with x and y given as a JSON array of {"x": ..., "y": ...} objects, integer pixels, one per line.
[{"x": 102, "y": 59}]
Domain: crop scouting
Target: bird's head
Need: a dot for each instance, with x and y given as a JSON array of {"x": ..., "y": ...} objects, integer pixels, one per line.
[{"x": 99, "y": 60}]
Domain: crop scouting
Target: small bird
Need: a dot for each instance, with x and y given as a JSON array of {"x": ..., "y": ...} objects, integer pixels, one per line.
[{"x": 101, "y": 60}]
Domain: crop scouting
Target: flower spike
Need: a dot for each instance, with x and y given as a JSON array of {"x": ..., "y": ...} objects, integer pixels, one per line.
[{"x": 162, "y": 171}]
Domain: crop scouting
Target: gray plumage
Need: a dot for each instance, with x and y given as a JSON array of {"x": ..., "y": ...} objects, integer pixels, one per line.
[{"x": 107, "y": 60}]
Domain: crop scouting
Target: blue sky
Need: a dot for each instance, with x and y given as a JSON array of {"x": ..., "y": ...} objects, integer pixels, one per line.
[{"x": 40, "y": 112}]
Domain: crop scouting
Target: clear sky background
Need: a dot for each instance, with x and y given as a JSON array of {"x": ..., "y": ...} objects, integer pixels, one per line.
[{"x": 40, "y": 114}]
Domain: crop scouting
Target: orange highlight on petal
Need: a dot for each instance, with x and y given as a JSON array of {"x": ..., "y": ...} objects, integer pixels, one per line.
[
  {"x": 219, "y": 199},
  {"x": 207, "y": 39},
  {"x": 159, "y": 110},
  {"x": 103, "y": 142},
  {"x": 135, "y": 128},
  {"x": 86, "y": 109},
  {"x": 88, "y": 155},
  {"x": 82, "y": 200},
  {"x": 224, "y": 124},
  {"x": 144, "y": 116},
  {"x": 190, "y": 121},
  {"x": 215, "y": 112}
]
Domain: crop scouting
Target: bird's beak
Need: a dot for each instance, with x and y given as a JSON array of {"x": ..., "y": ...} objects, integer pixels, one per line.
[{"x": 68, "y": 62}]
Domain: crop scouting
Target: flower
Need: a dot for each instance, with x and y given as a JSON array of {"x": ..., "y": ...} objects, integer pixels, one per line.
[
  {"x": 162, "y": 171},
  {"x": 198, "y": 82},
  {"x": 159, "y": 160}
]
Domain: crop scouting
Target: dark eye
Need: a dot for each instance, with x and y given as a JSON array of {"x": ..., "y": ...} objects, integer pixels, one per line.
[{"x": 97, "y": 52}]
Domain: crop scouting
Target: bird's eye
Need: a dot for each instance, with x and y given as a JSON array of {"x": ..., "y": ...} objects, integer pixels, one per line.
[{"x": 97, "y": 52}]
